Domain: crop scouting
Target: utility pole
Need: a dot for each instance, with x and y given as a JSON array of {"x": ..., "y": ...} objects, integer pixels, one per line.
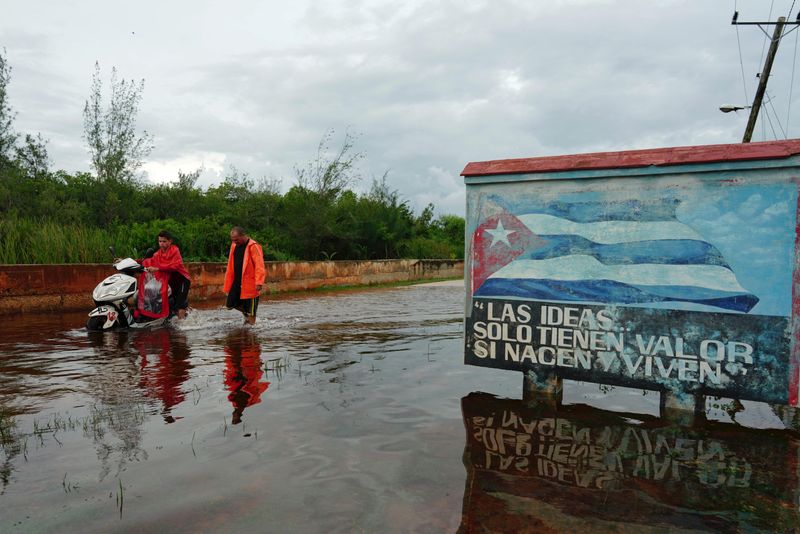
[
  {"x": 762, "y": 82},
  {"x": 777, "y": 35}
]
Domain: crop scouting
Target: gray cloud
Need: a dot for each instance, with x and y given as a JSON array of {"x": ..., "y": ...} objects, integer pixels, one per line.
[{"x": 428, "y": 85}]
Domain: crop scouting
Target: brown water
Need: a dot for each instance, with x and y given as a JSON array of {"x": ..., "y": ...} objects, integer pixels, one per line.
[{"x": 353, "y": 412}]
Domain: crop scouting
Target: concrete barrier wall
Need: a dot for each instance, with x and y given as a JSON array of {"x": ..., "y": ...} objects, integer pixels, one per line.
[{"x": 69, "y": 286}]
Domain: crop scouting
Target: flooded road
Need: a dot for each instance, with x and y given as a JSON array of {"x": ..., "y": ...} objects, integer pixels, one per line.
[{"x": 353, "y": 412}]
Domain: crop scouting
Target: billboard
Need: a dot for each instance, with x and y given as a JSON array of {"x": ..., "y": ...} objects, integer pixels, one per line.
[{"x": 677, "y": 278}]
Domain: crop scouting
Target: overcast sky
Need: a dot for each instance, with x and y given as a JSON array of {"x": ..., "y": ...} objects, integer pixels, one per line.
[{"x": 427, "y": 86}]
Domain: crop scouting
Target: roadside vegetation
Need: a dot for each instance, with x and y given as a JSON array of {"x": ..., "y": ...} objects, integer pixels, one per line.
[{"x": 49, "y": 216}]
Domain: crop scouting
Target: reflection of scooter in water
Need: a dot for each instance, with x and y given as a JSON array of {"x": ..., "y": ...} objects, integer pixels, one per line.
[
  {"x": 152, "y": 299},
  {"x": 163, "y": 357},
  {"x": 118, "y": 410},
  {"x": 243, "y": 371},
  {"x": 164, "y": 361}
]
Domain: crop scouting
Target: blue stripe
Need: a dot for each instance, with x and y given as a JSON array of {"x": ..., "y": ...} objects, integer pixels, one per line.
[
  {"x": 594, "y": 211},
  {"x": 613, "y": 292},
  {"x": 663, "y": 251}
]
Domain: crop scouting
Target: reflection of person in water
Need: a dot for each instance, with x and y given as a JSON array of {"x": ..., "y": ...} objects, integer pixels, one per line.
[
  {"x": 243, "y": 371},
  {"x": 163, "y": 375}
]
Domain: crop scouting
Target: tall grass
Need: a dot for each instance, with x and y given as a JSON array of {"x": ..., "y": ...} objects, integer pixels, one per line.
[
  {"x": 26, "y": 241},
  {"x": 30, "y": 241}
]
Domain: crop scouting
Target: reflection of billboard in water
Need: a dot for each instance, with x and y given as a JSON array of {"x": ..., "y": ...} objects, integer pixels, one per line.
[
  {"x": 582, "y": 469},
  {"x": 677, "y": 280}
]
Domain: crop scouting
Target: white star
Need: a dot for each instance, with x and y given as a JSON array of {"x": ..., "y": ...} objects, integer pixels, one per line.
[{"x": 500, "y": 234}]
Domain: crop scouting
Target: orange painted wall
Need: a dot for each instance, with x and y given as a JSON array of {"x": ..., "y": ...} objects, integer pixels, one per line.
[{"x": 69, "y": 286}]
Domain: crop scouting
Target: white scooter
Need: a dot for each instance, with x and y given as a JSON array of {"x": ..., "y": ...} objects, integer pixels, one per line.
[{"x": 111, "y": 298}]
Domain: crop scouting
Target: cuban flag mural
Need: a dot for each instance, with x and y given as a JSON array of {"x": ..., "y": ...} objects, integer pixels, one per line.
[
  {"x": 626, "y": 252},
  {"x": 619, "y": 269}
]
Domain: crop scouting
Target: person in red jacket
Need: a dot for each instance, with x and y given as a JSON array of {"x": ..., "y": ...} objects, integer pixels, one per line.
[
  {"x": 168, "y": 262},
  {"x": 245, "y": 274}
]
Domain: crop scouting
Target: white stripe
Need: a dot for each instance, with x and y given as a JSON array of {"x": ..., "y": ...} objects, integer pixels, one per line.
[
  {"x": 580, "y": 267},
  {"x": 608, "y": 232}
]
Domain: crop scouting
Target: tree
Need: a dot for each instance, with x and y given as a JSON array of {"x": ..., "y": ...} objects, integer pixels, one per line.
[
  {"x": 328, "y": 176},
  {"x": 31, "y": 156},
  {"x": 422, "y": 226},
  {"x": 116, "y": 150},
  {"x": 7, "y": 136}
]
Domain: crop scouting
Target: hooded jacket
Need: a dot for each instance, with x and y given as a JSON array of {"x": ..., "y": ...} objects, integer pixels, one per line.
[
  {"x": 253, "y": 270},
  {"x": 169, "y": 260}
]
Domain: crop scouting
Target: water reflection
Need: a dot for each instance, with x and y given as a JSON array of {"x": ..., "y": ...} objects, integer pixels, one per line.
[
  {"x": 164, "y": 366},
  {"x": 243, "y": 371},
  {"x": 118, "y": 412},
  {"x": 535, "y": 468},
  {"x": 376, "y": 375}
]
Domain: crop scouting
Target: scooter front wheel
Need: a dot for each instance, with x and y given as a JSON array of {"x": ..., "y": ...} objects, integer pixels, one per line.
[{"x": 95, "y": 324}]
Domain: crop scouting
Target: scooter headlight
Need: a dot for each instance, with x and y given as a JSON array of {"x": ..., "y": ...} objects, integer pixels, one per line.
[
  {"x": 114, "y": 290},
  {"x": 111, "y": 288}
]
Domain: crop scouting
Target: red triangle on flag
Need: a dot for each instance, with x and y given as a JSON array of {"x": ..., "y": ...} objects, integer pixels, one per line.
[{"x": 496, "y": 242}]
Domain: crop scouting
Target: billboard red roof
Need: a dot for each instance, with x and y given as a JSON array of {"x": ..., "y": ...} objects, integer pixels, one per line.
[{"x": 637, "y": 158}]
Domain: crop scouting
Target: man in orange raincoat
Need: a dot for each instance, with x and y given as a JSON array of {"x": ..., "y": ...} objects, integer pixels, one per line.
[{"x": 245, "y": 274}]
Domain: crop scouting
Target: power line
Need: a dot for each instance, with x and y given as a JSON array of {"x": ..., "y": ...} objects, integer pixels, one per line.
[
  {"x": 766, "y": 114},
  {"x": 764, "y": 44},
  {"x": 769, "y": 101},
  {"x": 791, "y": 84},
  {"x": 741, "y": 62}
]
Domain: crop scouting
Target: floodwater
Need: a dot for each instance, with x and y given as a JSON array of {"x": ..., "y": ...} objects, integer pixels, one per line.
[{"x": 353, "y": 412}]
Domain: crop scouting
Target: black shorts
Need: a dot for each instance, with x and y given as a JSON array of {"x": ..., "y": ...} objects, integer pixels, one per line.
[
  {"x": 246, "y": 306},
  {"x": 180, "y": 291}
]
